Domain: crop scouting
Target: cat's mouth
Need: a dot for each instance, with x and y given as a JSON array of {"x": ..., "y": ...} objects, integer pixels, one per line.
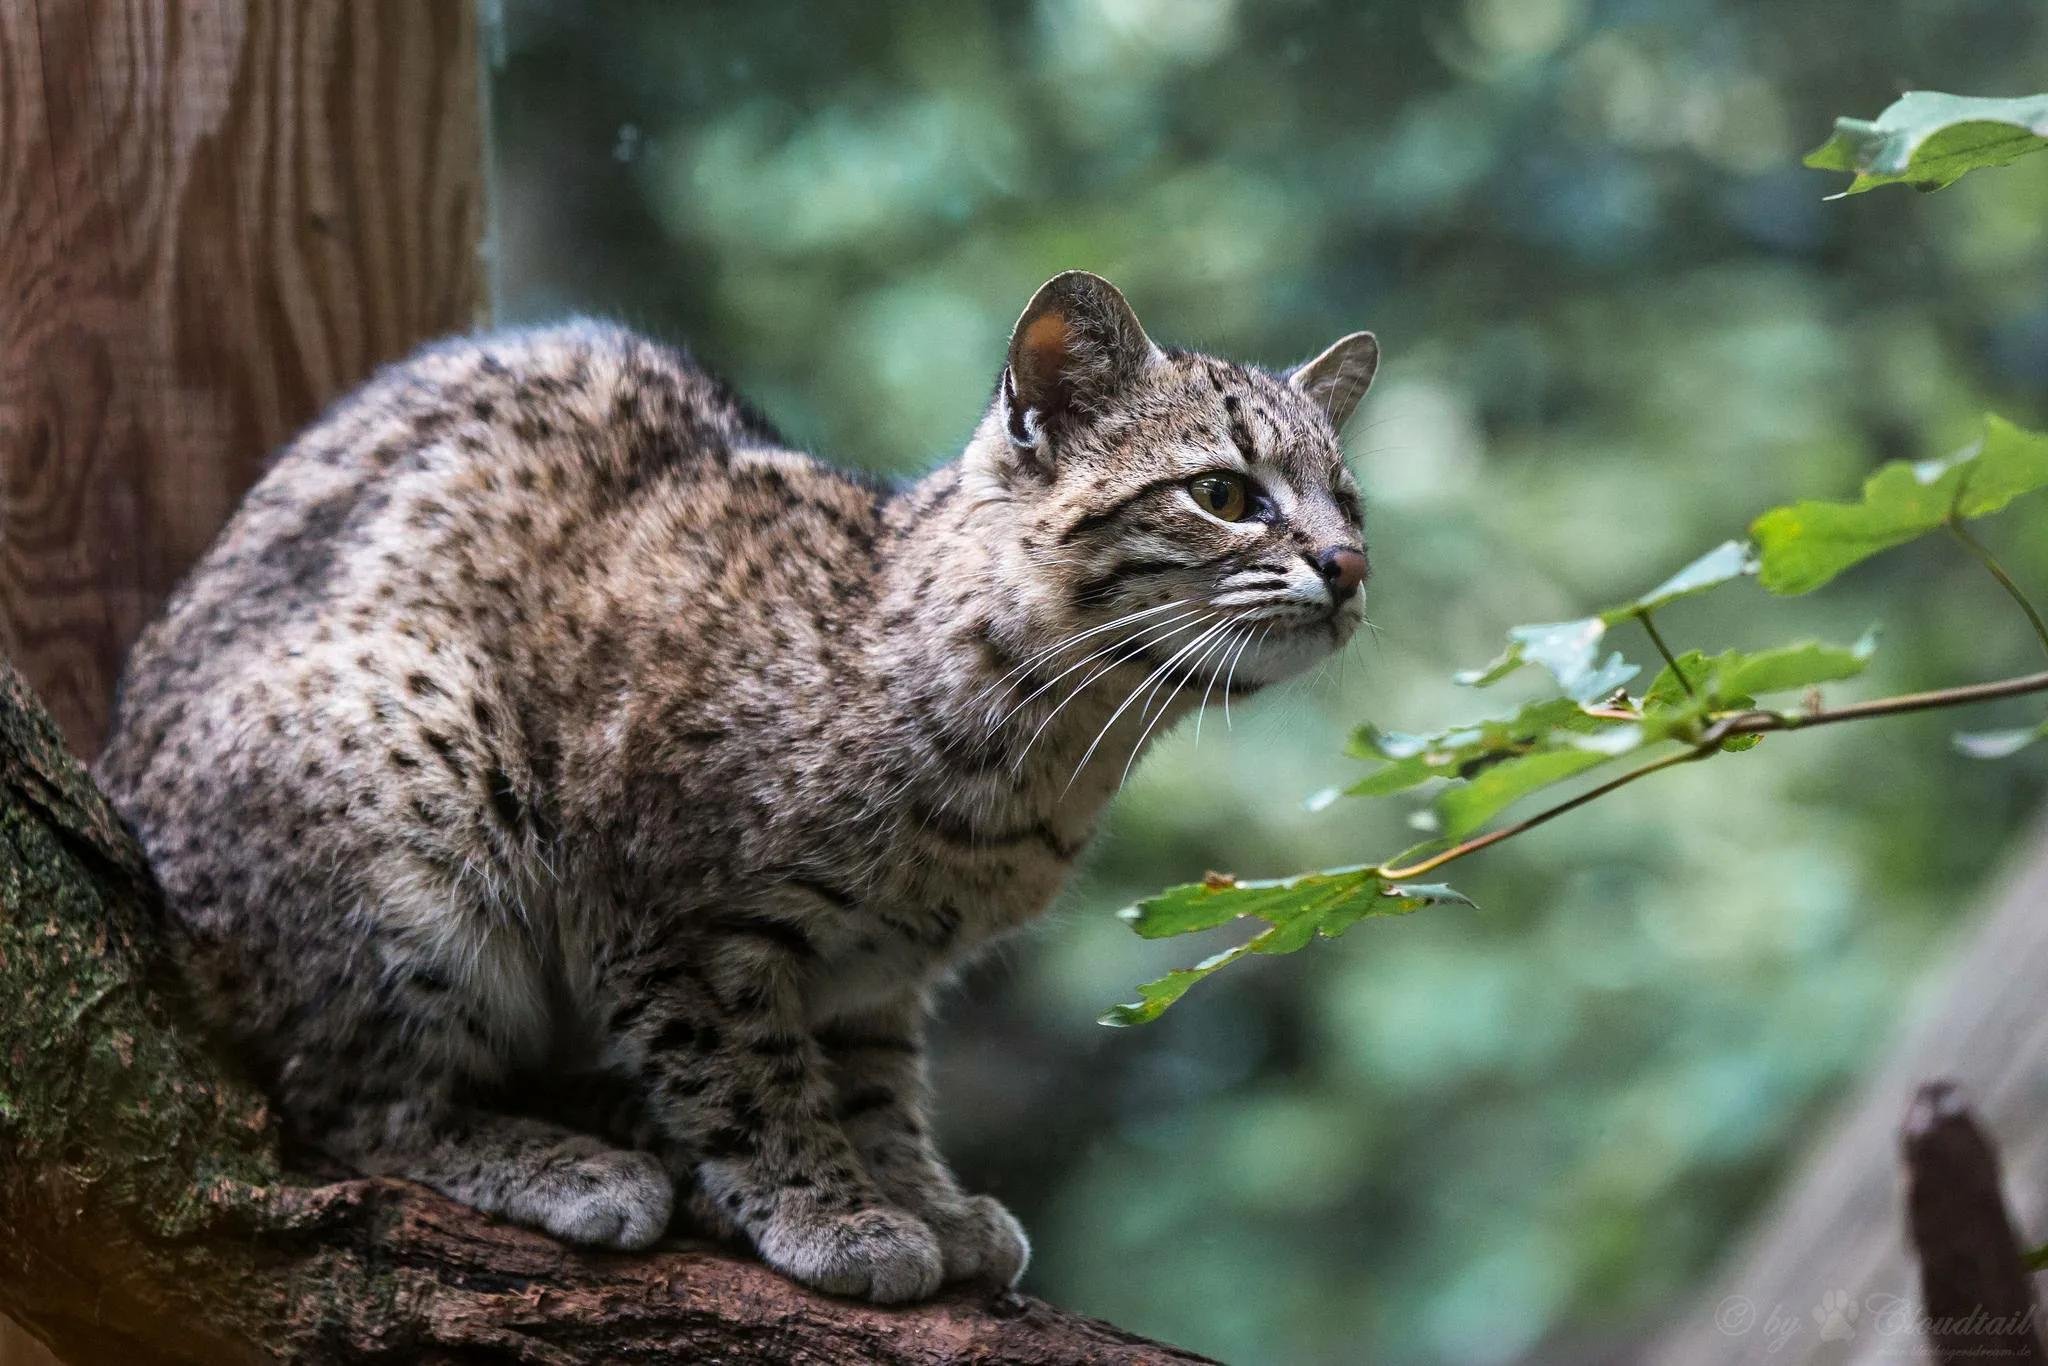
[{"x": 1290, "y": 638}]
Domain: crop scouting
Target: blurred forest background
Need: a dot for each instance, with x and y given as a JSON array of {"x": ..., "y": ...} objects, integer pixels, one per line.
[{"x": 1619, "y": 320}]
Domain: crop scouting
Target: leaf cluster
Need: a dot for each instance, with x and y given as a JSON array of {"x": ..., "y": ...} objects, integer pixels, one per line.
[{"x": 1696, "y": 706}]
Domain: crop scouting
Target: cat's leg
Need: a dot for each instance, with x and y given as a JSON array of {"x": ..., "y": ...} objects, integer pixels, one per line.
[
  {"x": 739, "y": 1088},
  {"x": 579, "y": 1188},
  {"x": 378, "y": 1081},
  {"x": 883, "y": 1103}
]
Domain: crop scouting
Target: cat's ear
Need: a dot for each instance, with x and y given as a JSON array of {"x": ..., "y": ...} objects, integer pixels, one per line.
[
  {"x": 1076, "y": 344},
  {"x": 1338, "y": 378}
]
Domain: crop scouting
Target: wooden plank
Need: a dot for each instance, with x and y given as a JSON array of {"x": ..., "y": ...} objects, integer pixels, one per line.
[
  {"x": 217, "y": 215},
  {"x": 1826, "y": 1277},
  {"x": 17, "y": 1348}
]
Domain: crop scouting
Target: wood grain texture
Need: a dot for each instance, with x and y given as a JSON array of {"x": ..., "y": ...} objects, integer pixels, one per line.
[{"x": 216, "y": 216}]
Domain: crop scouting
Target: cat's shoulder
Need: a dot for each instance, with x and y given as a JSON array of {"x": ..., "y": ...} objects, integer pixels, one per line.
[{"x": 580, "y": 370}]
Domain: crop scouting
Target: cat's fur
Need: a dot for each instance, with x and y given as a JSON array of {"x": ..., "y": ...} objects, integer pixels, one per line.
[{"x": 564, "y": 789}]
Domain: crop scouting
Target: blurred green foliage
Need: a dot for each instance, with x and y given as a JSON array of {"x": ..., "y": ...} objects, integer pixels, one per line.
[{"x": 1619, "y": 319}]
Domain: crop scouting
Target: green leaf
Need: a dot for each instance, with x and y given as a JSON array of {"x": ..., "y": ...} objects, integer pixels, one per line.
[
  {"x": 1725, "y": 562},
  {"x": 1666, "y": 691},
  {"x": 1570, "y": 650},
  {"x": 1396, "y": 777},
  {"x": 1807, "y": 544},
  {"x": 1296, "y": 911},
  {"x": 1999, "y": 744},
  {"x": 1730, "y": 680},
  {"x": 1787, "y": 667},
  {"x": 1927, "y": 140},
  {"x": 1469, "y": 750},
  {"x": 1466, "y": 807},
  {"x": 2037, "y": 1260}
]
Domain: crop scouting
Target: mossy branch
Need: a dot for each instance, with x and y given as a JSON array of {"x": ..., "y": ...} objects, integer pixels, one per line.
[{"x": 149, "y": 1216}]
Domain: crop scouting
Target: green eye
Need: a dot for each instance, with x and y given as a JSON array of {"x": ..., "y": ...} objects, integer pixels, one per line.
[{"x": 1221, "y": 495}]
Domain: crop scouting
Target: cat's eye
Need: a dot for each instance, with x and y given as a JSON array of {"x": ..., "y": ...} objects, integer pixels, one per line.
[{"x": 1226, "y": 496}]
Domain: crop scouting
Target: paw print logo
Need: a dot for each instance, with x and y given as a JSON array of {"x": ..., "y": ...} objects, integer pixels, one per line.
[{"x": 1836, "y": 1315}]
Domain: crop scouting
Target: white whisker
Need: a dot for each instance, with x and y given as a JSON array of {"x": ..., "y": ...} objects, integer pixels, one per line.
[
  {"x": 1125, "y": 705},
  {"x": 1082, "y": 686},
  {"x": 1166, "y": 704},
  {"x": 1231, "y": 677},
  {"x": 1076, "y": 638},
  {"x": 1085, "y": 660},
  {"x": 1230, "y": 642}
]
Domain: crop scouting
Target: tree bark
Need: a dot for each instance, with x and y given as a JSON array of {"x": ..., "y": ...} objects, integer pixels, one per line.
[{"x": 148, "y": 1218}]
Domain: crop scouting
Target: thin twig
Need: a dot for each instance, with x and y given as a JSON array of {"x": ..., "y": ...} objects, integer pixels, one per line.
[
  {"x": 1650, "y": 627},
  {"x": 1724, "y": 727},
  {"x": 1760, "y": 722},
  {"x": 2005, "y": 580},
  {"x": 1473, "y": 846}
]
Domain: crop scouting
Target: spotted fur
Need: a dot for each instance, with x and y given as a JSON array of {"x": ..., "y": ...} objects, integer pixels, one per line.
[{"x": 568, "y": 794}]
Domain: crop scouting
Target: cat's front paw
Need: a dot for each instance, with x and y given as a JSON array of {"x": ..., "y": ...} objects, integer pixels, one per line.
[
  {"x": 613, "y": 1199},
  {"x": 980, "y": 1240},
  {"x": 882, "y": 1255}
]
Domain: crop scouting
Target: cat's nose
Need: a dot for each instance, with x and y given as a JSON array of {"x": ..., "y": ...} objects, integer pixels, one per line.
[{"x": 1343, "y": 570}]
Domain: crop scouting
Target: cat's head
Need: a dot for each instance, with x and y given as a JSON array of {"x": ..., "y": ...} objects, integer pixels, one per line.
[{"x": 1177, "y": 501}]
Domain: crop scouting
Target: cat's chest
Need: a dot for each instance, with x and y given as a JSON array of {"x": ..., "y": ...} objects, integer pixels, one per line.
[{"x": 931, "y": 906}]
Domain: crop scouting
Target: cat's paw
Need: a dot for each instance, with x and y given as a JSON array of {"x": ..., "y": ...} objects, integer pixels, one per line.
[
  {"x": 883, "y": 1255},
  {"x": 980, "y": 1240},
  {"x": 611, "y": 1199}
]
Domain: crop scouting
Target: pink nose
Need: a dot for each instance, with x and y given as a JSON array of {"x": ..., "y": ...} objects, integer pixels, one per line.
[{"x": 1343, "y": 569}]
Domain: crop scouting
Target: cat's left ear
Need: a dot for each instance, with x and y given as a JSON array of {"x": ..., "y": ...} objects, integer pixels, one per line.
[
  {"x": 1076, "y": 345},
  {"x": 1338, "y": 378}
]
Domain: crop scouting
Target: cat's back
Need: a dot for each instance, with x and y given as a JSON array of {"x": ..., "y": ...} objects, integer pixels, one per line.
[
  {"x": 471, "y": 459},
  {"x": 448, "y": 553}
]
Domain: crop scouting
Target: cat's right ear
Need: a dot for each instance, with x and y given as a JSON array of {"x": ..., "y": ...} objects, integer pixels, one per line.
[{"x": 1076, "y": 344}]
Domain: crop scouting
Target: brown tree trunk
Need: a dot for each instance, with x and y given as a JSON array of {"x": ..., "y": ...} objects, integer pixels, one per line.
[
  {"x": 145, "y": 1217},
  {"x": 215, "y": 216}
]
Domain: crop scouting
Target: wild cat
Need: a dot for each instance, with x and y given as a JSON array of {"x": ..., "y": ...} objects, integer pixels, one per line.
[{"x": 568, "y": 794}]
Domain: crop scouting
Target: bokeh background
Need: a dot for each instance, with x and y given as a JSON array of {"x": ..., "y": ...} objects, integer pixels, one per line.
[{"x": 1619, "y": 320}]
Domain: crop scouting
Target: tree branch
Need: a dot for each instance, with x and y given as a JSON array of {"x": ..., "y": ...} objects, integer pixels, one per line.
[
  {"x": 1762, "y": 722},
  {"x": 149, "y": 1218},
  {"x": 1592, "y": 794},
  {"x": 1709, "y": 743}
]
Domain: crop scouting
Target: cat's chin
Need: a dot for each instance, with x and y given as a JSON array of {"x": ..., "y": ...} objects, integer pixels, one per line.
[{"x": 1289, "y": 652}]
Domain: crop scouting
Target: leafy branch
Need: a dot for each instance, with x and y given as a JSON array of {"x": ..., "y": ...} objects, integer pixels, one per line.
[{"x": 1700, "y": 706}]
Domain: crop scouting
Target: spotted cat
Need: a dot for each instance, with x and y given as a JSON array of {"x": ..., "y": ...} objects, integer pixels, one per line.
[{"x": 567, "y": 793}]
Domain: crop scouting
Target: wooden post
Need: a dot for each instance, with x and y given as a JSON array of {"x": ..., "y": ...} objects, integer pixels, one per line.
[{"x": 215, "y": 216}]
